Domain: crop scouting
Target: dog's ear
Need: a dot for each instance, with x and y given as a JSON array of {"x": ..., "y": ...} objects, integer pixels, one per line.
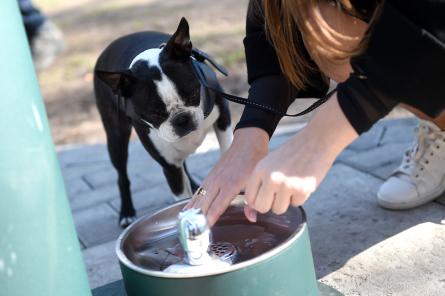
[
  {"x": 120, "y": 82},
  {"x": 180, "y": 46}
]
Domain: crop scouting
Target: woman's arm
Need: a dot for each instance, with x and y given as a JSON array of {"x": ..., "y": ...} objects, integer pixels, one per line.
[
  {"x": 251, "y": 138},
  {"x": 285, "y": 177},
  {"x": 268, "y": 85},
  {"x": 288, "y": 175}
]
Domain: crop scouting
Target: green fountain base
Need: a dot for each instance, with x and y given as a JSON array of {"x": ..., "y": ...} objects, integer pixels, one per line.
[{"x": 117, "y": 289}]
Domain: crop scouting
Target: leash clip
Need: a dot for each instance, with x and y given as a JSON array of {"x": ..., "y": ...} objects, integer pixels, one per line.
[{"x": 201, "y": 56}]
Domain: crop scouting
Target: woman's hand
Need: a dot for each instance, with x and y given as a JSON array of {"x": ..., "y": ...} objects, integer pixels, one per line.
[
  {"x": 230, "y": 175},
  {"x": 288, "y": 175}
]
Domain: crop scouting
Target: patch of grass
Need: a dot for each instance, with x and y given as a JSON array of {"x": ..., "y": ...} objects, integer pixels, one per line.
[
  {"x": 77, "y": 65},
  {"x": 232, "y": 58}
]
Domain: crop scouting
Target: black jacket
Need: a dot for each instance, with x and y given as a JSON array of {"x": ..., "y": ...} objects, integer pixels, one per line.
[{"x": 404, "y": 62}]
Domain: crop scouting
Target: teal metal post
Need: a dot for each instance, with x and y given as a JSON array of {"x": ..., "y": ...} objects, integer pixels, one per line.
[{"x": 39, "y": 251}]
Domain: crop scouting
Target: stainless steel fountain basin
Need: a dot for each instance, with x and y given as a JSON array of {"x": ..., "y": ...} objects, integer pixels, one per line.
[{"x": 273, "y": 256}]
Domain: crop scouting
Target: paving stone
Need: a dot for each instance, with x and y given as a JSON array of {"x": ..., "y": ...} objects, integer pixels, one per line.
[
  {"x": 82, "y": 246},
  {"x": 101, "y": 178},
  {"x": 441, "y": 199},
  {"x": 345, "y": 155},
  {"x": 409, "y": 121},
  {"x": 83, "y": 154},
  {"x": 107, "y": 177},
  {"x": 105, "y": 194},
  {"x": 385, "y": 171},
  {"x": 152, "y": 174},
  {"x": 136, "y": 147},
  {"x": 102, "y": 264},
  {"x": 94, "y": 197},
  {"x": 380, "y": 156},
  {"x": 205, "y": 161},
  {"x": 148, "y": 200},
  {"x": 368, "y": 140},
  {"x": 116, "y": 288},
  {"x": 403, "y": 132},
  {"x": 97, "y": 224},
  {"x": 79, "y": 169},
  {"x": 277, "y": 141},
  {"x": 345, "y": 224},
  {"x": 76, "y": 186},
  {"x": 409, "y": 263}
]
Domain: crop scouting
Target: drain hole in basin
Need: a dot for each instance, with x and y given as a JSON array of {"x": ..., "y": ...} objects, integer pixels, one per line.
[{"x": 225, "y": 251}]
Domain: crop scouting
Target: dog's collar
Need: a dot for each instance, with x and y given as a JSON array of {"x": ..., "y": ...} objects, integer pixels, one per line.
[{"x": 202, "y": 57}]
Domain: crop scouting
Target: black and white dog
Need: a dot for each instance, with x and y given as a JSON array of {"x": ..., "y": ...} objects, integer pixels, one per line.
[{"x": 146, "y": 80}]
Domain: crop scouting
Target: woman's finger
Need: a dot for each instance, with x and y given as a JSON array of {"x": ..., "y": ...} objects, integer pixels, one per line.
[
  {"x": 302, "y": 189},
  {"x": 250, "y": 214},
  {"x": 265, "y": 197},
  {"x": 282, "y": 201},
  {"x": 252, "y": 187},
  {"x": 219, "y": 205},
  {"x": 298, "y": 195}
]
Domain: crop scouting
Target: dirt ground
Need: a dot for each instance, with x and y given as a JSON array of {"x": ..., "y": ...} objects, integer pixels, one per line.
[{"x": 90, "y": 25}]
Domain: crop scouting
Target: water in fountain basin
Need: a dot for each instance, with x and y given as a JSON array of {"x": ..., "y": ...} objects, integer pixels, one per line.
[{"x": 250, "y": 241}]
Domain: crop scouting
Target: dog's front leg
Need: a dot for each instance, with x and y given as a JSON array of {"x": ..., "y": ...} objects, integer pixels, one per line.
[
  {"x": 222, "y": 126},
  {"x": 178, "y": 180},
  {"x": 170, "y": 160},
  {"x": 225, "y": 138}
]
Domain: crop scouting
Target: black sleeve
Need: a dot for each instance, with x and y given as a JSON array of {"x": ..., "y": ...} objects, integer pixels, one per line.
[
  {"x": 268, "y": 85},
  {"x": 403, "y": 63},
  {"x": 271, "y": 90}
]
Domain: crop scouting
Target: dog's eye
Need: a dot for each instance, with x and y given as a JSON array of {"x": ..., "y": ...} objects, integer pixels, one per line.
[
  {"x": 196, "y": 92},
  {"x": 157, "y": 115}
]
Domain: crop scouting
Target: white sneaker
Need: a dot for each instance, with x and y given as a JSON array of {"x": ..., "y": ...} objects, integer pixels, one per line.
[{"x": 421, "y": 176}]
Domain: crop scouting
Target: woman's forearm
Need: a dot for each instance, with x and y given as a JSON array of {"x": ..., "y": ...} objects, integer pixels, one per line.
[
  {"x": 329, "y": 129},
  {"x": 290, "y": 174},
  {"x": 254, "y": 139}
]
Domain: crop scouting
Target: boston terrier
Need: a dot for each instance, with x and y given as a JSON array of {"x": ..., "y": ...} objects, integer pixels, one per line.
[{"x": 146, "y": 80}]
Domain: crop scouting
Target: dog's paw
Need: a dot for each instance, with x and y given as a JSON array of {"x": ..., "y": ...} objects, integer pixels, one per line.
[{"x": 125, "y": 221}]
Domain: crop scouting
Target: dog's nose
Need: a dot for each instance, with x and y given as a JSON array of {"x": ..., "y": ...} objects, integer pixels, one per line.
[{"x": 183, "y": 123}]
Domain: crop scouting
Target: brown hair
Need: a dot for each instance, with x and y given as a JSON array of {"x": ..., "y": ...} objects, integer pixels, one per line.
[{"x": 285, "y": 20}]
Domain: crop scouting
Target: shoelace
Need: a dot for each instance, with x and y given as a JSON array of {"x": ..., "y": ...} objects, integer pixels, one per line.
[{"x": 415, "y": 158}]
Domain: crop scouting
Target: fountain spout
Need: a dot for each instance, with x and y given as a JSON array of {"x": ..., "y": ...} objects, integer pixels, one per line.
[{"x": 195, "y": 236}]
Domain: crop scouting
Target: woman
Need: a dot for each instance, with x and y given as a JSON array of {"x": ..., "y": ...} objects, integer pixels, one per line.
[{"x": 380, "y": 53}]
